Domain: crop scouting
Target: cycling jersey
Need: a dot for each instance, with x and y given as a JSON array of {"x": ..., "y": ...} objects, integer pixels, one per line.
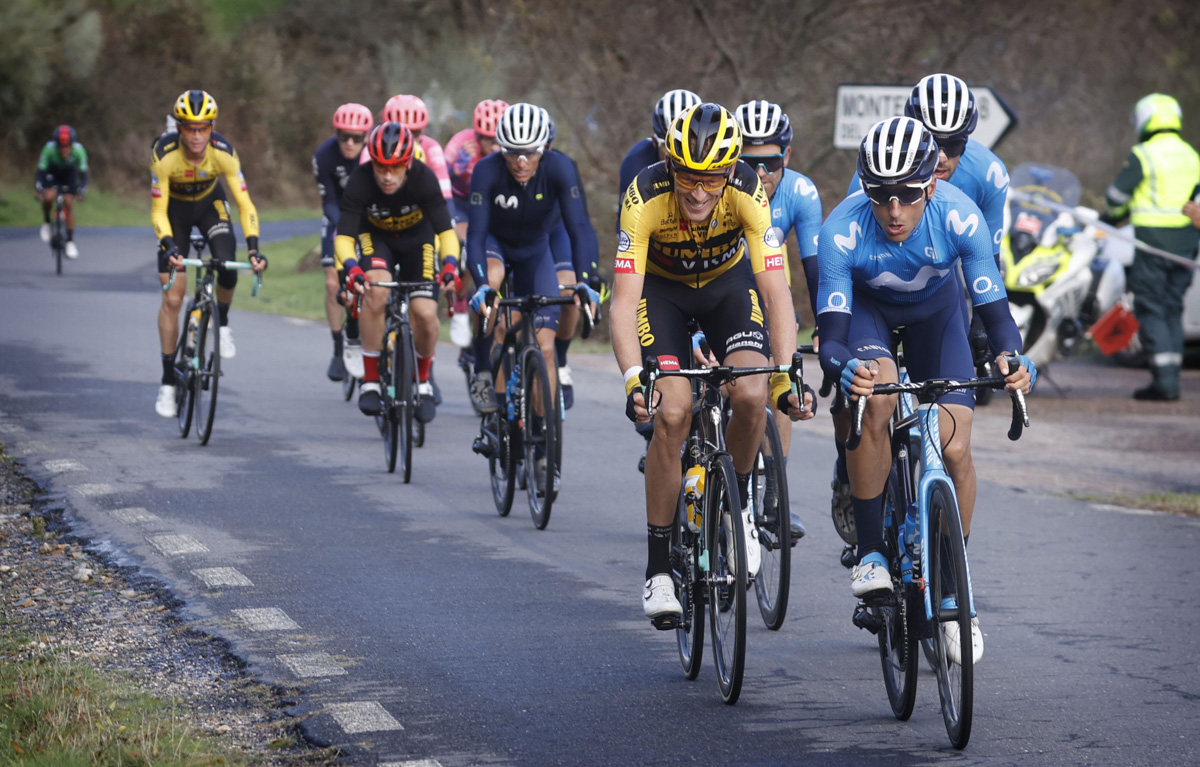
[
  {"x": 69, "y": 173},
  {"x": 332, "y": 170},
  {"x": 856, "y": 258},
  {"x": 435, "y": 158},
  {"x": 462, "y": 152},
  {"x": 796, "y": 207},
  {"x": 519, "y": 216},
  {"x": 415, "y": 213},
  {"x": 560, "y": 239},
  {"x": 189, "y": 182},
  {"x": 640, "y": 156},
  {"x": 655, "y": 238}
]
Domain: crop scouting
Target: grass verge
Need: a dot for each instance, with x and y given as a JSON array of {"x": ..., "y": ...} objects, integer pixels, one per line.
[{"x": 1187, "y": 504}]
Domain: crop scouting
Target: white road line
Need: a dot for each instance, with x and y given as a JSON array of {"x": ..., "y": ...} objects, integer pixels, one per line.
[
  {"x": 266, "y": 619},
  {"x": 364, "y": 716},
  {"x": 59, "y": 465},
  {"x": 92, "y": 489},
  {"x": 414, "y": 763},
  {"x": 171, "y": 545},
  {"x": 311, "y": 664},
  {"x": 221, "y": 576},
  {"x": 134, "y": 515}
]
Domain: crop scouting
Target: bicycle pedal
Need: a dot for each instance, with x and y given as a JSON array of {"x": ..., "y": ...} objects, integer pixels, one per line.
[
  {"x": 866, "y": 618},
  {"x": 482, "y": 446},
  {"x": 667, "y": 622},
  {"x": 849, "y": 556}
]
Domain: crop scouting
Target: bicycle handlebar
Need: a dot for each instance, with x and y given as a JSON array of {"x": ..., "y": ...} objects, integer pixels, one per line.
[
  {"x": 720, "y": 375},
  {"x": 527, "y": 303},
  {"x": 207, "y": 262}
]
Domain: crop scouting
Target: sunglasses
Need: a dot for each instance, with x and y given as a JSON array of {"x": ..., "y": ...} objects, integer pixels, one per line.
[
  {"x": 351, "y": 138},
  {"x": 517, "y": 154},
  {"x": 195, "y": 128},
  {"x": 953, "y": 148},
  {"x": 711, "y": 182},
  {"x": 772, "y": 162},
  {"x": 905, "y": 194}
]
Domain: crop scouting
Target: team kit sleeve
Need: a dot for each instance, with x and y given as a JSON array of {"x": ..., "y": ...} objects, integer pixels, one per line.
[
  {"x": 984, "y": 282},
  {"x": 435, "y": 159},
  {"x": 807, "y": 227},
  {"x": 231, "y": 168},
  {"x": 836, "y": 245},
  {"x": 633, "y": 234},
  {"x": 762, "y": 240},
  {"x": 479, "y": 213},
  {"x": 585, "y": 248},
  {"x": 159, "y": 194},
  {"x": 349, "y": 220},
  {"x": 993, "y": 202}
]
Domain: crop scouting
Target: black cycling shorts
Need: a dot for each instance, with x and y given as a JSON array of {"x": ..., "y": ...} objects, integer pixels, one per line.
[
  {"x": 63, "y": 178},
  {"x": 211, "y": 217},
  {"x": 409, "y": 255}
]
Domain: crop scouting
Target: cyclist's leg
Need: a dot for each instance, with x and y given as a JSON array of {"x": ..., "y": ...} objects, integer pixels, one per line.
[
  {"x": 376, "y": 260},
  {"x": 335, "y": 313},
  {"x": 496, "y": 270},
  {"x": 564, "y": 267},
  {"x": 534, "y": 275},
  {"x": 69, "y": 187},
  {"x": 417, "y": 261},
  {"x": 181, "y": 215},
  {"x": 217, "y": 227},
  {"x": 47, "y": 190}
]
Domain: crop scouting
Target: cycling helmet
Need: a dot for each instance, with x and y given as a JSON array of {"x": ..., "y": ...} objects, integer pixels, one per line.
[
  {"x": 523, "y": 126},
  {"x": 550, "y": 121},
  {"x": 764, "y": 123},
  {"x": 669, "y": 107},
  {"x": 409, "y": 111},
  {"x": 390, "y": 143},
  {"x": 706, "y": 137},
  {"x": 898, "y": 150},
  {"x": 64, "y": 135},
  {"x": 355, "y": 118},
  {"x": 945, "y": 105},
  {"x": 1156, "y": 112},
  {"x": 487, "y": 116},
  {"x": 195, "y": 106}
]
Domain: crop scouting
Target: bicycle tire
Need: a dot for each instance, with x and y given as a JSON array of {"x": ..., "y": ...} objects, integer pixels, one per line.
[
  {"x": 57, "y": 238},
  {"x": 769, "y": 479},
  {"x": 535, "y": 387},
  {"x": 501, "y": 464},
  {"x": 897, "y": 650},
  {"x": 348, "y": 384},
  {"x": 207, "y": 376},
  {"x": 956, "y": 681},
  {"x": 726, "y": 544},
  {"x": 183, "y": 382},
  {"x": 689, "y": 587},
  {"x": 388, "y": 426},
  {"x": 404, "y": 399}
]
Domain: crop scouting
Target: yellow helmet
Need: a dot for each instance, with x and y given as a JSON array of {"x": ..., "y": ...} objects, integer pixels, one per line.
[
  {"x": 705, "y": 137},
  {"x": 195, "y": 106},
  {"x": 1157, "y": 112}
]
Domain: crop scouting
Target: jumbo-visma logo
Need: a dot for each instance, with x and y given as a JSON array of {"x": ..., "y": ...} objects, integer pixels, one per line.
[
  {"x": 955, "y": 221},
  {"x": 623, "y": 266},
  {"x": 847, "y": 243}
]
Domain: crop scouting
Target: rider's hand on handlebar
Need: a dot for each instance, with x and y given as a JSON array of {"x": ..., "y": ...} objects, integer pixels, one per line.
[
  {"x": 1022, "y": 378},
  {"x": 258, "y": 262},
  {"x": 356, "y": 280},
  {"x": 451, "y": 280},
  {"x": 702, "y": 352},
  {"x": 480, "y": 297},
  {"x": 168, "y": 246},
  {"x": 858, "y": 377},
  {"x": 593, "y": 296}
]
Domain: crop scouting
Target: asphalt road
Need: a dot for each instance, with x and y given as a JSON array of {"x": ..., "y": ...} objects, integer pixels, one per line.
[{"x": 419, "y": 625}]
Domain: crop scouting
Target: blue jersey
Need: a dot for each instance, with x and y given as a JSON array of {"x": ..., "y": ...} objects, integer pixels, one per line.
[
  {"x": 560, "y": 240},
  {"x": 856, "y": 256},
  {"x": 796, "y": 207},
  {"x": 640, "y": 156},
  {"x": 983, "y": 177},
  {"x": 331, "y": 170},
  {"x": 520, "y": 216}
]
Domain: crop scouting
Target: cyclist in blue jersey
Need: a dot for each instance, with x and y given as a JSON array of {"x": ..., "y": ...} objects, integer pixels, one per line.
[
  {"x": 795, "y": 207},
  {"x": 515, "y": 194},
  {"x": 887, "y": 262},
  {"x": 564, "y": 265},
  {"x": 650, "y": 150},
  {"x": 333, "y": 162}
]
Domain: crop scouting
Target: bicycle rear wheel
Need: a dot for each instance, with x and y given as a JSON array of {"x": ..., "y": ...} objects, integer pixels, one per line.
[
  {"x": 207, "y": 375},
  {"x": 685, "y": 553},
  {"x": 389, "y": 427},
  {"x": 768, "y": 483},
  {"x": 949, "y": 583},
  {"x": 897, "y": 650},
  {"x": 726, "y": 548},
  {"x": 543, "y": 445},
  {"x": 403, "y": 398}
]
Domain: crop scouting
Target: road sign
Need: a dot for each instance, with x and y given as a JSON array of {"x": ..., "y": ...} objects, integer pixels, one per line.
[{"x": 861, "y": 106}]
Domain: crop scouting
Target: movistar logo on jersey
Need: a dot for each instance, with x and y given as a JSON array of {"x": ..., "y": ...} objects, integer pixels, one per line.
[
  {"x": 897, "y": 283},
  {"x": 508, "y": 203},
  {"x": 847, "y": 243},
  {"x": 996, "y": 174},
  {"x": 805, "y": 188},
  {"x": 956, "y": 222}
]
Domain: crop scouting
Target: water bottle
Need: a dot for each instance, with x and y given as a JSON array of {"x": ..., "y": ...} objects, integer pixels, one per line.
[
  {"x": 912, "y": 543},
  {"x": 693, "y": 491},
  {"x": 510, "y": 389},
  {"x": 193, "y": 324}
]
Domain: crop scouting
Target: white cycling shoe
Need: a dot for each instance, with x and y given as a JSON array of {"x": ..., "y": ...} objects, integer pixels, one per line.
[
  {"x": 753, "y": 551},
  {"x": 953, "y": 646},
  {"x": 460, "y": 330},
  {"x": 352, "y": 358},
  {"x": 44, "y": 233},
  {"x": 870, "y": 576},
  {"x": 228, "y": 347},
  {"x": 658, "y": 599},
  {"x": 72, "y": 252},
  {"x": 165, "y": 404}
]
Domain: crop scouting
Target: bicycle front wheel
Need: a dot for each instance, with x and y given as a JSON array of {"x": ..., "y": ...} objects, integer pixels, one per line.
[
  {"x": 772, "y": 515},
  {"x": 58, "y": 238},
  {"x": 403, "y": 398},
  {"x": 386, "y": 421},
  {"x": 897, "y": 651},
  {"x": 685, "y": 562},
  {"x": 207, "y": 374},
  {"x": 949, "y": 584},
  {"x": 540, "y": 436},
  {"x": 348, "y": 386},
  {"x": 725, "y": 541}
]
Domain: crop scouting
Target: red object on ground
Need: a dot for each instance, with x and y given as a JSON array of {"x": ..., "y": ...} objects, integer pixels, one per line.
[{"x": 1113, "y": 332}]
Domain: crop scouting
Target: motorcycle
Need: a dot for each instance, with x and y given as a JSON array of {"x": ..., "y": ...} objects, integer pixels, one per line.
[{"x": 1058, "y": 277}]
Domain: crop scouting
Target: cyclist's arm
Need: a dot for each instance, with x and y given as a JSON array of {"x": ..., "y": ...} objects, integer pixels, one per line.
[
  {"x": 349, "y": 223},
  {"x": 232, "y": 170},
  {"x": 438, "y": 211},
  {"x": 629, "y": 277},
  {"x": 1117, "y": 197},
  {"x": 479, "y": 215},
  {"x": 986, "y": 288},
  {"x": 835, "y": 292},
  {"x": 160, "y": 179},
  {"x": 80, "y": 158},
  {"x": 48, "y": 152},
  {"x": 807, "y": 228},
  {"x": 584, "y": 246},
  {"x": 993, "y": 202}
]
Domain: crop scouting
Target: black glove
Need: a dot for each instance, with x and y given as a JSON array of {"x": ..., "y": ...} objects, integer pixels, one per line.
[{"x": 630, "y": 413}]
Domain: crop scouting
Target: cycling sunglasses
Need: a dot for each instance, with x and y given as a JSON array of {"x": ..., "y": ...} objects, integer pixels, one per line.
[
  {"x": 519, "y": 153},
  {"x": 772, "y": 162},
  {"x": 711, "y": 182},
  {"x": 905, "y": 194},
  {"x": 196, "y": 128},
  {"x": 348, "y": 138},
  {"x": 953, "y": 148}
]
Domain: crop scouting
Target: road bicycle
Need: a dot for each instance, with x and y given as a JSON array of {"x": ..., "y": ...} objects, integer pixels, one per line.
[
  {"x": 58, "y": 234},
  {"x": 927, "y": 556},
  {"x": 198, "y": 352},
  {"x": 708, "y": 537},
  {"x": 529, "y": 429}
]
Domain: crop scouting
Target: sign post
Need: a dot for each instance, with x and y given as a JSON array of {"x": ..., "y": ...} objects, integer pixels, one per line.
[{"x": 861, "y": 106}]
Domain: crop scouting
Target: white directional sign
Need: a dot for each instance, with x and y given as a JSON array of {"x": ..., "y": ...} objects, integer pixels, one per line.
[{"x": 861, "y": 106}]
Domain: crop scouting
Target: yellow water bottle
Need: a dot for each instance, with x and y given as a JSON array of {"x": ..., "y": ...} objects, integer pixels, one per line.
[
  {"x": 192, "y": 326},
  {"x": 693, "y": 491}
]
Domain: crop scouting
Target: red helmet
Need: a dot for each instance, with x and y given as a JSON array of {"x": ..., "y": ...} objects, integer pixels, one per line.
[
  {"x": 407, "y": 110},
  {"x": 390, "y": 143},
  {"x": 353, "y": 117},
  {"x": 64, "y": 135},
  {"x": 487, "y": 116}
]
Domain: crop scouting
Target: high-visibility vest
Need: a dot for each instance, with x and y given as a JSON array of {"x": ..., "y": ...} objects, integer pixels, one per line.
[{"x": 1170, "y": 171}]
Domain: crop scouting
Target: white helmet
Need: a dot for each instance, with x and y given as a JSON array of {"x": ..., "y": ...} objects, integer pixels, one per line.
[
  {"x": 671, "y": 105},
  {"x": 945, "y": 105},
  {"x": 764, "y": 123},
  {"x": 523, "y": 126},
  {"x": 898, "y": 150}
]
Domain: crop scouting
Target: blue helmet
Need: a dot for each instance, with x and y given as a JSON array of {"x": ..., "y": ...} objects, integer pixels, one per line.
[
  {"x": 945, "y": 105},
  {"x": 898, "y": 150},
  {"x": 764, "y": 123}
]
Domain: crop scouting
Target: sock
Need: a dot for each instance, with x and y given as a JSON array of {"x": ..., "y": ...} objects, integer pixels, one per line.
[
  {"x": 370, "y": 366},
  {"x": 352, "y": 328},
  {"x": 223, "y": 313},
  {"x": 658, "y": 550},
  {"x": 868, "y": 521},
  {"x": 70, "y": 235},
  {"x": 423, "y": 365},
  {"x": 168, "y": 365},
  {"x": 743, "y": 483},
  {"x": 483, "y": 353},
  {"x": 560, "y": 351},
  {"x": 840, "y": 466},
  {"x": 45, "y": 214},
  {"x": 337, "y": 343}
]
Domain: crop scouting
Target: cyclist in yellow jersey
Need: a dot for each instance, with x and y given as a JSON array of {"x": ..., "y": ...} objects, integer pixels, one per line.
[
  {"x": 189, "y": 163},
  {"x": 686, "y": 225}
]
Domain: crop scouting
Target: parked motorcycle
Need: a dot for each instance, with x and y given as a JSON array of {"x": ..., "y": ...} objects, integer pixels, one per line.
[{"x": 1058, "y": 278}]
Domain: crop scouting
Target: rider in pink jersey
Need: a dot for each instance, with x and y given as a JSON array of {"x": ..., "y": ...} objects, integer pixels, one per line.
[{"x": 411, "y": 112}]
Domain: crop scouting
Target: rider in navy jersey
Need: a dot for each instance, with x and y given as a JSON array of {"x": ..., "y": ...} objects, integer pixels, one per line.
[
  {"x": 653, "y": 149},
  {"x": 887, "y": 262},
  {"x": 333, "y": 162}
]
